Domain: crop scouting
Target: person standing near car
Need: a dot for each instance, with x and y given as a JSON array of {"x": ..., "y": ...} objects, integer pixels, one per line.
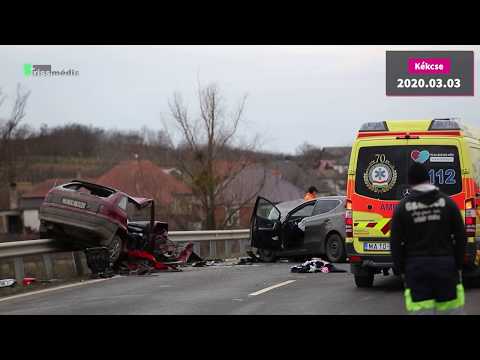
[
  {"x": 311, "y": 193},
  {"x": 428, "y": 244}
]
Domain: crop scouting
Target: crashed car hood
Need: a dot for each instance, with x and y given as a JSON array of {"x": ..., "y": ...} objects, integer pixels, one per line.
[{"x": 141, "y": 202}]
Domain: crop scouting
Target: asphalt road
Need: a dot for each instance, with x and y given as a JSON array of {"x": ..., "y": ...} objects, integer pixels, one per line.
[{"x": 242, "y": 289}]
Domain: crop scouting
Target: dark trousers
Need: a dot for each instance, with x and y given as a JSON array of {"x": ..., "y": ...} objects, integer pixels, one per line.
[{"x": 431, "y": 278}]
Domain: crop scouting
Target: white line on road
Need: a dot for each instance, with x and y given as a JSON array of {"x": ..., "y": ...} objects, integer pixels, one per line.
[
  {"x": 271, "y": 288},
  {"x": 54, "y": 288}
]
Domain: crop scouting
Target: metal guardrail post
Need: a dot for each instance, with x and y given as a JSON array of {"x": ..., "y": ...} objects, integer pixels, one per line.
[
  {"x": 196, "y": 248},
  {"x": 242, "y": 247},
  {"x": 213, "y": 249},
  {"x": 77, "y": 263},
  {"x": 47, "y": 262},
  {"x": 19, "y": 269},
  {"x": 227, "y": 245}
]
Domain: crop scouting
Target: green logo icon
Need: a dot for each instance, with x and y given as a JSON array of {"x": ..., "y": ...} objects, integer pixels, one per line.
[{"x": 27, "y": 69}]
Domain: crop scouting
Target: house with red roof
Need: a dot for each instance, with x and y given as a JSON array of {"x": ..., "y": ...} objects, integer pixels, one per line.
[
  {"x": 174, "y": 200},
  {"x": 238, "y": 198},
  {"x": 138, "y": 178}
]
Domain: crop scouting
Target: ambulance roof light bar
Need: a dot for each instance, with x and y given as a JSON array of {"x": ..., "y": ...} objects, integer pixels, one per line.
[
  {"x": 445, "y": 124},
  {"x": 374, "y": 126}
]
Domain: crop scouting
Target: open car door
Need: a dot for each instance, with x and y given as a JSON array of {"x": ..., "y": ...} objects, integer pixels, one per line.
[{"x": 265, "y": 225}]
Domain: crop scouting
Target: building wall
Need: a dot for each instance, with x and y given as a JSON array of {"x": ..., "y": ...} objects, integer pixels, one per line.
[
  {"x": 31, "y": 203},
  {"x": 5, "y": 219},
  {"x": 245, "y": 215},
  {"x": 31, "y": 220}
]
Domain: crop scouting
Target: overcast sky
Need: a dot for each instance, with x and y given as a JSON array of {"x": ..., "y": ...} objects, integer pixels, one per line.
[{"x": 296, "y": 94}]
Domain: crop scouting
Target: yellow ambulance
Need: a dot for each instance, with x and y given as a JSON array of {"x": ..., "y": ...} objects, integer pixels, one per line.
[{"x": 377, "y": 181}]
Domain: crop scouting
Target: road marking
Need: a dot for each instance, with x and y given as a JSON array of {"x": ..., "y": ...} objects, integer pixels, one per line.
[
  {"x": 54, "y": 288},
  {"x": 271, "y": 288}
]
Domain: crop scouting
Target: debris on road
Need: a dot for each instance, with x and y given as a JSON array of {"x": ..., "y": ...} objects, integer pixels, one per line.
[
  {"x": 213, "y": 262},
  {"x": 7, "y": 283},
  {"x": 199, "y": 263},
  {"x": 246, "y": 261},
  {"x": 254, "y": 256},
  {"x": 140, "y": 261},
  {"x": 316, "y": 265},
  {"x": 98, "y": 260},
  {"x": 251, "y": 259}
]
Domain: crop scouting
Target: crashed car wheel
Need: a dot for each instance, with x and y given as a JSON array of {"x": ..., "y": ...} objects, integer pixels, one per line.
[
  {"x": 267, "y": 255},
  {"x": 115, "y": 248},
  {"x": 335, "y": 249}
]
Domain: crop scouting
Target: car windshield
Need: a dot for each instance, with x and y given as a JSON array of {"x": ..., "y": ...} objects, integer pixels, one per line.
[{"x": 382, "y": 171}]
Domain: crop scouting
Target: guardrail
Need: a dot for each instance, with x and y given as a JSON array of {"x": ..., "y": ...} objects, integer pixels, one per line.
[{"x": 207, "y": 244}]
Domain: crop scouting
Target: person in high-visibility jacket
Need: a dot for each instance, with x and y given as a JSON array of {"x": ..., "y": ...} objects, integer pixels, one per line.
[
  {"x": 311, "y": 193},
  {"x": 428, "y": 243}
]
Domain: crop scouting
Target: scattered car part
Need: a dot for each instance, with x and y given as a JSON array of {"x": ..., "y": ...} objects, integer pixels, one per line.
[
  {"x": 28, "y": 280},
  {"x": 98, "y": 260},
  {"x": 7, "y": 283},
  {"x": 315, "y": 265},
  {"x": 254, "y": 256}
]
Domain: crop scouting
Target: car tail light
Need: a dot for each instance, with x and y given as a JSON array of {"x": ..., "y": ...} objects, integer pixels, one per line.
[
  {"x": 470, "y": 217},
  {"x": 104, "y": 210},
  {"x": 355, "y": 259},
  {"x": 349, "y": 219}
]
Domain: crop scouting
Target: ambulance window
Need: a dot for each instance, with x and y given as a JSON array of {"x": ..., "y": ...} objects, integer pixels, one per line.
[
  {"x": 443, "y": 166},
  {"x": 382, "y": 170}
]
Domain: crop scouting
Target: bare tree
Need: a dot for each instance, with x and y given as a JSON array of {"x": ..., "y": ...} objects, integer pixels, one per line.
[
  {"x": 240, "y": 191},
  {"x": 203, "y": 154},
  {"x": 8, "y": 130},
  {"x": 308, "y": 155}
]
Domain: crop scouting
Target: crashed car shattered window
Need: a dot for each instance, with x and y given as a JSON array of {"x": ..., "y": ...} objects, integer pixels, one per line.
[
  {"x": 92, "y": 190},
  {"x": 137, "y": 214}
]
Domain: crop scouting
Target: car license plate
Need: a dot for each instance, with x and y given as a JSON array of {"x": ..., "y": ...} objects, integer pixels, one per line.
[
  {"x": 74, "y": 203},
  {"x": 376, "y": 246}
]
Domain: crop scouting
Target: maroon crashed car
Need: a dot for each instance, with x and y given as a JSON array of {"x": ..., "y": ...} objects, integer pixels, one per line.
[{"x": 80, "y": 214}]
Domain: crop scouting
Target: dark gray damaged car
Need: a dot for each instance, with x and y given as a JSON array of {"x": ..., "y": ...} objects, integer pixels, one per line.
[{"x": 299, "y": 228}]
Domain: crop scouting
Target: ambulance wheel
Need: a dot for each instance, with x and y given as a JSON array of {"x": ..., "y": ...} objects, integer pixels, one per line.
[
  {"x": 267, "y": 255},
  {"x": 364, "y": 280},
  {"x": 335, "y": 249}
]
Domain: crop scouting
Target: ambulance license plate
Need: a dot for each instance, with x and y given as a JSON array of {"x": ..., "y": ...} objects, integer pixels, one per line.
[{"x": 376, "y": 246}]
